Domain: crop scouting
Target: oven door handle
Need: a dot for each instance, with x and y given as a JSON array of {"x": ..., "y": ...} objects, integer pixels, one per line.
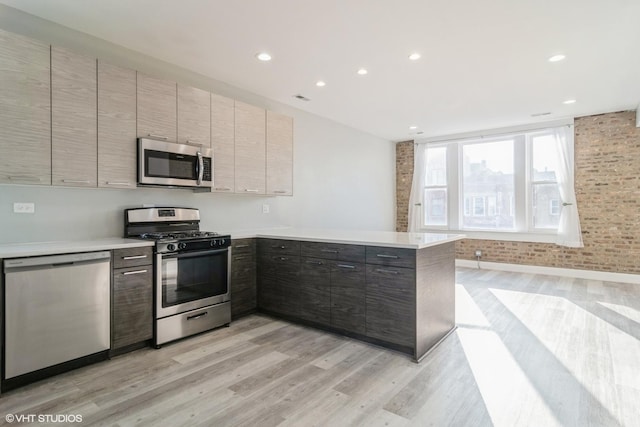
[{"x": 194, "y": 253}]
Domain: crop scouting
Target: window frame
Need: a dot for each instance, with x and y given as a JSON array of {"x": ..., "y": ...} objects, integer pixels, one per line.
[{"x": 522, "y": 202}]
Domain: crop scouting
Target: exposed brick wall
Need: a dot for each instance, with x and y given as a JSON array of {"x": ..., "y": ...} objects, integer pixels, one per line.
[
  {"x": 404, "y": 176},
  {"x": 607, "y": 178}
]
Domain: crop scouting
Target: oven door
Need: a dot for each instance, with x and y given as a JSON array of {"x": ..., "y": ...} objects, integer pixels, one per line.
[
  {"x": 172, "y": 164},
  {"x": 191, "y": 280}
]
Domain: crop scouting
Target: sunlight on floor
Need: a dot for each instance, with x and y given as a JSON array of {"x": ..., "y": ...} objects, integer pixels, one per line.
[
  {"x": 623, "y": 310},
  {"x": 498, "y": 376}
]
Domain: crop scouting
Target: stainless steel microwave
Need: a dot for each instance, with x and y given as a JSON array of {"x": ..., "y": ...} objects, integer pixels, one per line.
[{"x": 162, "y": 163}]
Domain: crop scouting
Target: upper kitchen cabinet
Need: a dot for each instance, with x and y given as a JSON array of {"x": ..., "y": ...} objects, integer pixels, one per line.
[
  {"x": 25, "y": 111},
  {"x": 74, "y": 135},
  {"x": 157, "y": 116},
  {"x": 250, "y": 153},
  {"x": 194, "y": 116},
  {"x": 279, "y": 154},
  {"x": 116, "y": 126},
  {"x": 222, "y": 143}
]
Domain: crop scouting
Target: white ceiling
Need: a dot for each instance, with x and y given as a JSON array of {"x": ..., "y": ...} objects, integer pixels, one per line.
[{"x": 484, "y": 63}]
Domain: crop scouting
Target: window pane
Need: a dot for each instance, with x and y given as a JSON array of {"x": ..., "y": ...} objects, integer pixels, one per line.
[
  {"x": 436, "y": 166},
  {"x": 546, "y": 206},
  {"x": 488, "y": 182},
  {"x": 545, "y": 160},
  {"x": 435, "y": 209}
]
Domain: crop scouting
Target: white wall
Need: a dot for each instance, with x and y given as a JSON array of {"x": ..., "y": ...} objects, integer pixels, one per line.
[{"x": 343, "y": 178}]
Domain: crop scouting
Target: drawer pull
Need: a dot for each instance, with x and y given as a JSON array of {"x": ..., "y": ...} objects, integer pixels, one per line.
[
  {"x": 346, "y": 266},
  {"x": 379, "y": 270},
  {"x": 223, "y": 188},
  {"x": 241, "y": 246},
  {"x": 134, "y": 257},
  {"x": 279, "y": 247},
  {"x": 251, "y": 190},
  {"x": 331, "y": 251},
  {"x": 315, "y": 262},
  {"x": 158, "y": 136},
  {"x": 76, "y": 181},
  {"x": 197, "y": 316},
  {"x": 387, "y": 256},
  {"x": 129, "y": 273},
  {"x": 24, "y": 178},
  {"x": 190, "y": 142},
  {"x": 240, "y": 257},
  {"x": 280, "y": 191},
  {"x": 125, "y": 184},
  {"x": 280, "y": 258}
]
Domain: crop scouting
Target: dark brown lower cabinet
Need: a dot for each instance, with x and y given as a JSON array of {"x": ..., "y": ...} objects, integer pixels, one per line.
[
  {"x": 315, "y": 290},
  {"x": 278, "y": 283},
  {"x": 132, "y": 306},
  {"x": 348, "y": 290},
  {"x": 243, "y": 277},
  {"x": 390, "y": 304}
]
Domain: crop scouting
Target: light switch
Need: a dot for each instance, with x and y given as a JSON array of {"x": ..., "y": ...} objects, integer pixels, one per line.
[
  {"x": 27, "y": 208},
  {"x": 265, "y": 209}
]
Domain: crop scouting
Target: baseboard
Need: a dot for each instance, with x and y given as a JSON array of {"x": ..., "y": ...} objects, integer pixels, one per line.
[{"x": 552, "y": 271}]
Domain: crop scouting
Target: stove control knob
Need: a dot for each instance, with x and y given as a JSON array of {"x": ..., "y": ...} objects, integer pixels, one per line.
[
  {"x": 182, "y": 245},
  {"x": 213, "y": 243},
  {"x": 222, "y": 242},
  {"x": 171, "y": 247}
]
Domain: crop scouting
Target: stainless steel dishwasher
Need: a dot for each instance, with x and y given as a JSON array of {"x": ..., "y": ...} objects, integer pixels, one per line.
[{"x": 56, "y": 310}]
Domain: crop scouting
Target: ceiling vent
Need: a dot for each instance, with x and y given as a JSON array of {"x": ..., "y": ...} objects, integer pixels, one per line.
[{"x": 301, "y": 97}]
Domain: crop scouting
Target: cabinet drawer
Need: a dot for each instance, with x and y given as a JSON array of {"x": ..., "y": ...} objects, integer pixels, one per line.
[
  {"x": 352, "y": 253},
  {"x": 243, "y": 246},
  {"x": 278, "y": 246},
  {"x": 131, "y": 257},
  {"x": 398, "y": 257},
  {"x": 399, "y": 282}
]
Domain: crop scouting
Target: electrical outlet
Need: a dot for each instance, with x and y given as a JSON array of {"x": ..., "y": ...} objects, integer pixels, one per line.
[
  {"x": 478, "y": 253},
  {"x": 25, "y": 208},
  {"x": 265, "y": 209}
]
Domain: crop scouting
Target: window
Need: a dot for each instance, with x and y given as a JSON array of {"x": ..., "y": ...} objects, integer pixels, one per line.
[{"x": 502, "y": 183}]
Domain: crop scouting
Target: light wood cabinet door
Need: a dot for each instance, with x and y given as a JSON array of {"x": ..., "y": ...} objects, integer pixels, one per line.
[
  {"x": 157, "y": 116},
  {"x": 194, "y": 116},
  {"x": 250, "y": 164},
  {"x": 222, "y": 143},
  {"x": 279, "y": 154},
  {"x": 116, "y": 126},
  {"x": 74, "y": 135},
  {"x": 25, "y": 111}
]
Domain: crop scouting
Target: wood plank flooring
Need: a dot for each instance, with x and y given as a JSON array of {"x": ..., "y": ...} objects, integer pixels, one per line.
[{"x": 530, "y": 350}]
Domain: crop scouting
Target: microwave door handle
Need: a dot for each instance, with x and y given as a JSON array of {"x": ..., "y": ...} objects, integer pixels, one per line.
[{"x": 200, "y": 168}]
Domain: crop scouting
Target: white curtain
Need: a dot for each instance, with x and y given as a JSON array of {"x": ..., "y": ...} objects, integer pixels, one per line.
[
  {"x": 417, "y": 188},
  {"x": 569, "y": 232}
]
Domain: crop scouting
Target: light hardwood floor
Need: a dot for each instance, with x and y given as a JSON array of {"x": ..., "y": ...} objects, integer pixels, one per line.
[{"x": 530, "y": 350}]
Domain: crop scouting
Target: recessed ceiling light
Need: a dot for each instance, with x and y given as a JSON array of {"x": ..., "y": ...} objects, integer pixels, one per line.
[
  {"x": 414, "y": 56},
  {"x": 569, "y": 101},
  {"x": 413, "y": 127},
  {"x": 320, "y": 83},
  {"x": 263, "y": 56},
  {"x": 556, "y": 58},
  {"x": 362, "y": 71}
]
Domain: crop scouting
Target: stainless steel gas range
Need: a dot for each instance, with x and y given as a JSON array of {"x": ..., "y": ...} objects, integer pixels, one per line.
[{"x": 191, "y": 271}]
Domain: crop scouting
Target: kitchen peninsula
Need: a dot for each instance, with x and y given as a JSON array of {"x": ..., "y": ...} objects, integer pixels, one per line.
[{"x": 392, "y": 289}]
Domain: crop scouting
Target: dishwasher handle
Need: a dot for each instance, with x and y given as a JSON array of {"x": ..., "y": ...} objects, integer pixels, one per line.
[{"x": 17, "y": 264}]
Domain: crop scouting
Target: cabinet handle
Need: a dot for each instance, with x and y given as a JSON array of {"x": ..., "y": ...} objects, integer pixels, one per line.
[
  {"x": 134, "y": 257},
  {"x": 24, "y": 178},
  {"x": 315, "y": 262},
  {"x": 280, "y": 191},
  {"x": 280, "y": 258},
  {"x": 240, "y": 257},
  {"x": 197, "y": 316},
  {"x": 387, "y": 256},
  {"x": 118, "y": 183},
  {"x": 76, "y": 181},
  {"x": 346, "y": 266},
  {"x": 223, "y": 188},
  {"x": 331, "y": 251},
  {"x": 128, "y": 273},
  {"x": 190, "y": 142},
  {"x": 240, "y": 246},
  {"x": 251, "y": 190},
  {"x": 158, "y": 136},
  {"x": 379, "y": 270}
]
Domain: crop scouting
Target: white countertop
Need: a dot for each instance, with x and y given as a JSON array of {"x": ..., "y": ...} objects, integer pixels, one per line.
[
  {"x": 353, "y": 237},
  {"x": 16, "y": 250}
]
